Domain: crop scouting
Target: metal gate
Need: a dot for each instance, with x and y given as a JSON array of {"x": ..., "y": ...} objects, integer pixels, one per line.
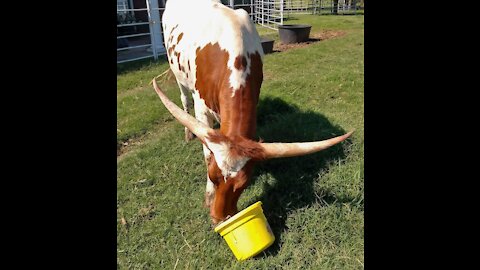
[
  {"x": 269, "y": 13},
  {"x": 139, "y": 31}
]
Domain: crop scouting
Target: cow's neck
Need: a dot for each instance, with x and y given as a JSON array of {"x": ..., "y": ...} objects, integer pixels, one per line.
[
  {"x": 238, "y": 111},
  {"x": 240, "y": 119},
  {"x": 230, "y": 90}
]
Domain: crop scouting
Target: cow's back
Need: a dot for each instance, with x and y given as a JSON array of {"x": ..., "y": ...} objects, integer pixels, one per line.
[{"x": 217, "y": 38}]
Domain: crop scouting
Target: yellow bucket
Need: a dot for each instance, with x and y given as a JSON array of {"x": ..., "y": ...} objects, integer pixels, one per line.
[{"x": 247, "y": 233}]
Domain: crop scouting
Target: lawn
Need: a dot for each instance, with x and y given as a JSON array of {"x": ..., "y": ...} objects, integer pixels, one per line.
[{"x": 314, "y": 204}]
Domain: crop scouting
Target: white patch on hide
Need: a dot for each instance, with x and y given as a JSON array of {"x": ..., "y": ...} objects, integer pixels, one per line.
[{"x": 228, "y": 165}]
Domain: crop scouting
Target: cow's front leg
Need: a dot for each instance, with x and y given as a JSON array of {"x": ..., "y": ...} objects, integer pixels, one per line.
[
  {"x": 202, "y": 115},
  {"x": 186, "y": 103},
  {"x": 210, "y": 189}
]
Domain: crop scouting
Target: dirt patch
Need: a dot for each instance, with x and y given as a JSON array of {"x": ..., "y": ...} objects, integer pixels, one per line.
[
  {"x": 314, "y": 37},
  {"x": 122, "y": 146},
  {"x": 159, "y": 125}
]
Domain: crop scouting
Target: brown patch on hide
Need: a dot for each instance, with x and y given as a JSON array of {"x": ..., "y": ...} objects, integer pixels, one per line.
[
  {"x": 240, "y": 111},
  {"x": 212, "y": 74},
  {"x": 178, "y": 61},
  {"x": 171, "y": 31},
  {"x": 179, "y": 37},
  {"x": 240, "y": 63}
]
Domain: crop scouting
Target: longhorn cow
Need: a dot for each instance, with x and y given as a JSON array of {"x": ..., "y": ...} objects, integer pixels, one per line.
[{"x": 216, "y": 56}]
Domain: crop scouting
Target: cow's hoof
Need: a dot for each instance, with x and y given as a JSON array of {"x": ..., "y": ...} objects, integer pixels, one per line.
[{"x": 189, "y": 135}]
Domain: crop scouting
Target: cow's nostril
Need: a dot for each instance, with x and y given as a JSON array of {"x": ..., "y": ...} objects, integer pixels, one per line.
[{"x": 215, "y": 221}]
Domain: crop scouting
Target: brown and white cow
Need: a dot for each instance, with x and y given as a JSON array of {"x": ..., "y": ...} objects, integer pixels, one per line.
[{"x": 216, "y": 55}]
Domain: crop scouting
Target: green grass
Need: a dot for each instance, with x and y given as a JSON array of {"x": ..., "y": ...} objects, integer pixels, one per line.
[{"x": 314, "y": 204}]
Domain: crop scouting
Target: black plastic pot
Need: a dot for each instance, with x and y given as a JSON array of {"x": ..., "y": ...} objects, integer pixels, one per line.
[
  {"x": 267, "y": 45},
  {"x": 294, "y": 33}
]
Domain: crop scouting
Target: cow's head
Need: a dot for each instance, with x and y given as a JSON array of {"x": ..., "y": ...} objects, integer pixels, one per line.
[
  {"x": 229, "y": 168},
  {"x": 231, "y": 165}
]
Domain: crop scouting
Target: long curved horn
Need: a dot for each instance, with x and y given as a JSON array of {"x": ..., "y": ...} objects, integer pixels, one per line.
[
  {"x": 196, "y": 127},
  {"x": 278, "y": 150}
]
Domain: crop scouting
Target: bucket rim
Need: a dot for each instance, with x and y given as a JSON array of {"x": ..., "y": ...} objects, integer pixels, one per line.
[
  {"x": 237, "y": 216},
  {"x": 294, "y": 26}
]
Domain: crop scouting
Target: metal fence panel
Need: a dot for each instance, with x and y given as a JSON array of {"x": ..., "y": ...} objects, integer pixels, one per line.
[
  {"x": 139, "y": 32},
  {"x": 269, "y": 13}
]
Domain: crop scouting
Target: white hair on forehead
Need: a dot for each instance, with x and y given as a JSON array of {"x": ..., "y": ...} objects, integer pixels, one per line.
[{"x": 229, "y": 164}]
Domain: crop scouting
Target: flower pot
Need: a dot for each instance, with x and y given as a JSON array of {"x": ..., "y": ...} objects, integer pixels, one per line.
[
  {"x": 267, "y": 45},
  {"x": 294, "y": 33}
]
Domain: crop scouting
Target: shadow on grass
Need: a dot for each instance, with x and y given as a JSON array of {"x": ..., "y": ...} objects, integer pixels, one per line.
[
  {"x": 138, "y": 64},
  {"x": 288, "y": 18},
  {"x": 293, "y": 186}
]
